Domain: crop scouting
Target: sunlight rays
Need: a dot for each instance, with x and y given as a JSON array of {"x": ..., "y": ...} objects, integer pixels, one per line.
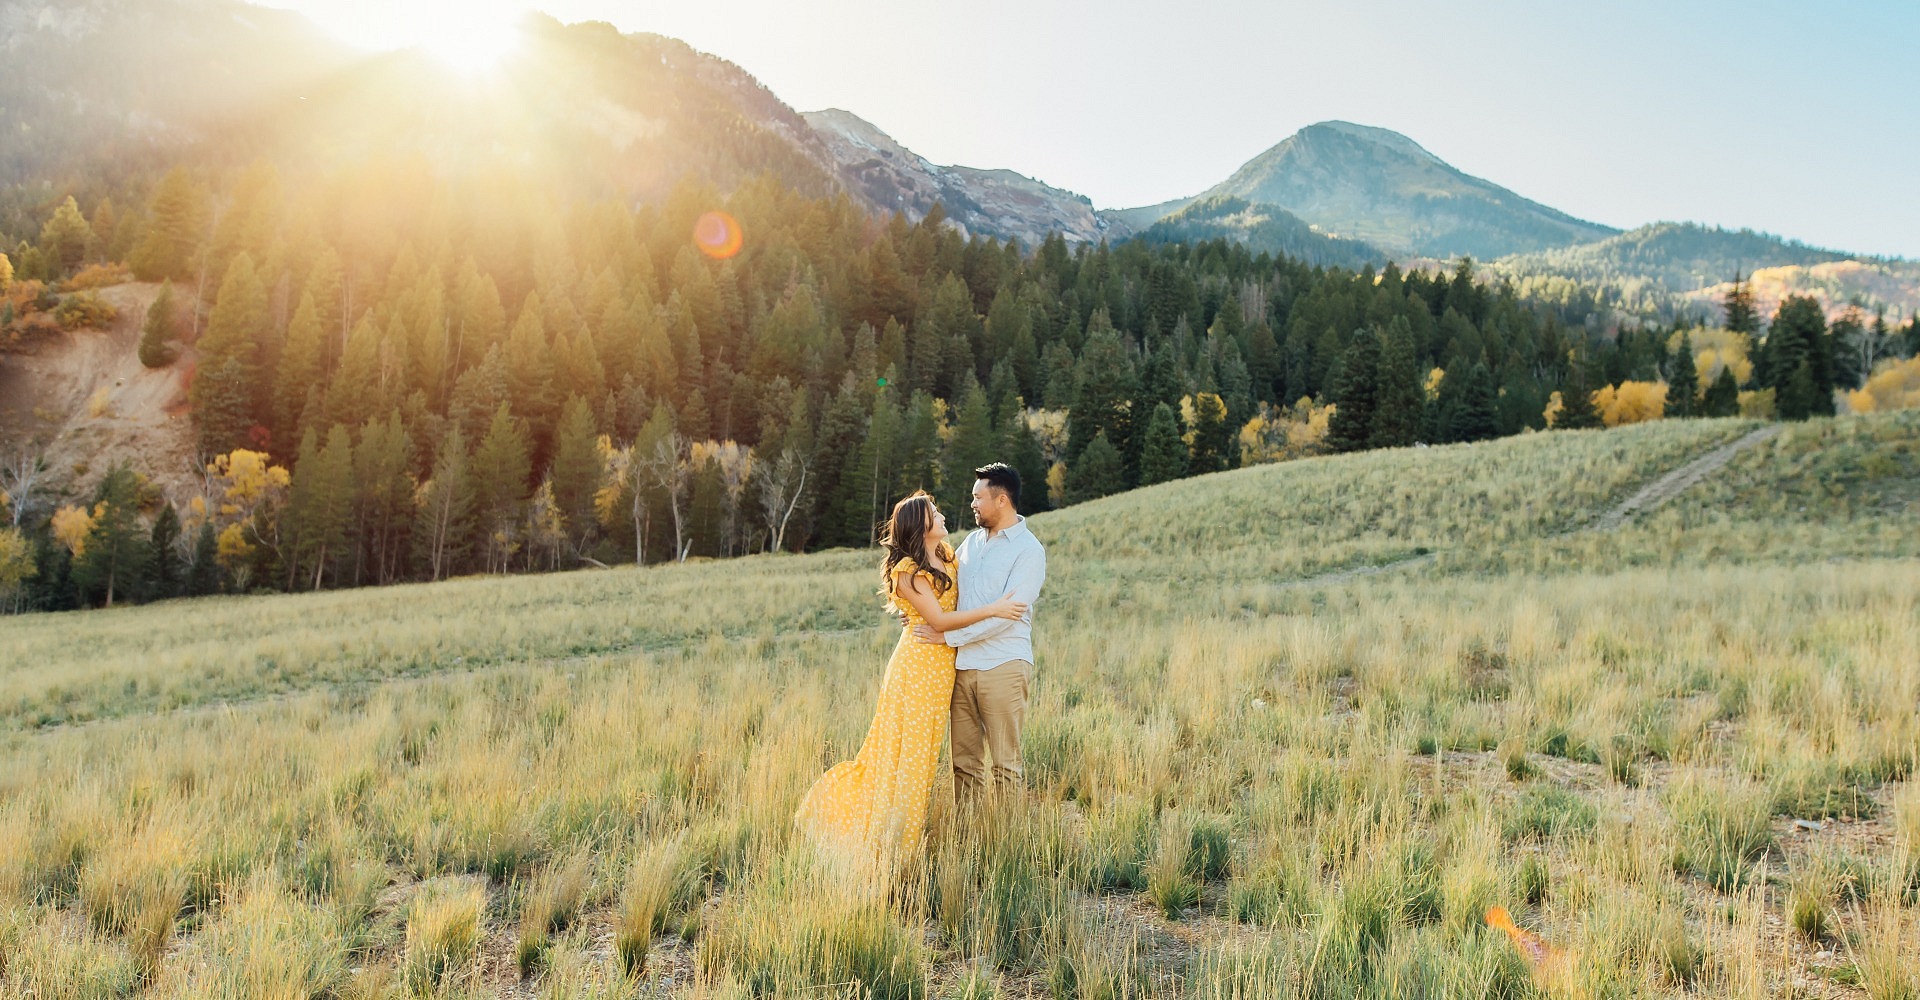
[{"x": 469, "y": 37}]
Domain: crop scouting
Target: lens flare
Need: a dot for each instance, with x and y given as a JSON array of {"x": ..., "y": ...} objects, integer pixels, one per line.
[
  {"x": 1534, "y": 947},
  {"x": 718, "y": 235}
]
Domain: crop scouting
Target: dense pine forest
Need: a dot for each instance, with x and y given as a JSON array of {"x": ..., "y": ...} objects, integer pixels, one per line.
[{"x": 396, "y": 373}]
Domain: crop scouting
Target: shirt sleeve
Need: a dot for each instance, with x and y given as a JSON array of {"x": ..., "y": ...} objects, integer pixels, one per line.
[{"x": 1028, "y": 575}]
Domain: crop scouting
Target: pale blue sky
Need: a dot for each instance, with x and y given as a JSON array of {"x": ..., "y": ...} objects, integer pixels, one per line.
[{"x": 1799, "y": 119}]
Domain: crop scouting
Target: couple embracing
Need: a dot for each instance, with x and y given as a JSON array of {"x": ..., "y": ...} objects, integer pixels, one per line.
[{"x": 964, "y": 662}]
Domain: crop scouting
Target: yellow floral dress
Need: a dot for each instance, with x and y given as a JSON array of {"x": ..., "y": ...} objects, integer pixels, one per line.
[{"x": 867, "y": 815}]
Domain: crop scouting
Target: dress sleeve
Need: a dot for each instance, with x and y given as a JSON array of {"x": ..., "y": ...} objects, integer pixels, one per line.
[{"x": 895, "y": 597}]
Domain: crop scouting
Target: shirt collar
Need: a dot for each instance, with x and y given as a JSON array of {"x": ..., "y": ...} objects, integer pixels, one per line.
[{"x": 1019, "y": 524}]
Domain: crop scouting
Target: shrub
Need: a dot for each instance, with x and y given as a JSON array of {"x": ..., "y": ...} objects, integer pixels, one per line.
[
  {"x": 1720, "y": 829},
  {"x": 1548, "y": 811},
  {"x": 443, "y": 935}
]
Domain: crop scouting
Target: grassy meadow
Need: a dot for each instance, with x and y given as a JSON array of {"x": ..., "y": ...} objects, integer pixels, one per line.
[{"x": 1681, "y": 751}]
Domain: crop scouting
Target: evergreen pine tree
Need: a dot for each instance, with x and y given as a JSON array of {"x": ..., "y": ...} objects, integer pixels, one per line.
[
  {"x": 320, "y": 504},
  {"x": 1797, "y": 398},
  {"x": 1722, "y": 398},
  {"x": 236, "y": 329},
  {"x": 1741, "y": 317},
  {"x": 443, "y": 523},
  {"x": 477, "y": 393},
  {"x": 176, "y": 223},
  {"x": 1103, "y": 396},
  {"x": 1683, "y": 385},
  {"x": 973, "y": 445},
  {"x": 156, "y": 349},
  {"x": 1400, "y": 401},
  {"x": 501, "y": 468},
  {"x": 204, "y": 575},
  {"x": 1475, "y": 419},
  {"x": 1160, "y": 380},
  {"x": 1577, "y": 411},
  {"x": 298, "y": 371},
  {"x": 1212, "y": 435},
  {"x": 115, "y": 559},
  {"x": 65, "y": 239},
  {"x": 1022, "y": 451},
  {"x": 355, "y": 392},
  {"x": 1096, "y": 473},
  {"x": 219, "y": 398},
  {"x": 529, "y": 367},
  {"x": 576, "y": 468},
  {"x": 844, "y": 489},
  {"x": 164, "y": 570},
  {"x": 1798, "y": 337},
  {"x": 874, "y": 463},
  {"x": 1163, "y": 456},
  {"x": 1355, "y": 382},
  {"x": 383, "y": 498},
  {"x": 1520, "y": 401},
  {"x": 1061, "y": 377}
]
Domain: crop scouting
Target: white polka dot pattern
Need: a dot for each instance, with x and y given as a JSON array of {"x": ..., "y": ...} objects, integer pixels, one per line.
[{"x": 867, "y": 815}]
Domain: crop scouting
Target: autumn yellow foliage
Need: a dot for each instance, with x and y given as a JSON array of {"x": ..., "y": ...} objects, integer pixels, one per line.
[
  {"x": 234, "y": 549},
  {"x": 1277, "y": 434},
  {"x": 1193, "y": 408},
  {"x": 99, "y": 276},
  {"x": 1631, "y": 402},
  {"x": 72, "y": 525},
  {"x": 1895, "y": 385},
  {"x": 245, "y": 478},
  {"x": 1049, "y": 427},
  {"x": 616, "y": 469},
  {"x": 1714, "y": 348},
  {"x": 16, "y": 561}
]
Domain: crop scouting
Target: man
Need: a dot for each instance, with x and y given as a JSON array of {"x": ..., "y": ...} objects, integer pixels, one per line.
[{"x": 995, "y": 659}]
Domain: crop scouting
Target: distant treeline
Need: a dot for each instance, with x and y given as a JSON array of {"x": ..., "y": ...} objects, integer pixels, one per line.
[{"x": 395, "y": 375}]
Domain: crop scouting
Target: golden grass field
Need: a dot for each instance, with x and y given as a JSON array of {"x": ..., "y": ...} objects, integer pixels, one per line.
[{"x": 1252, "y": 773}]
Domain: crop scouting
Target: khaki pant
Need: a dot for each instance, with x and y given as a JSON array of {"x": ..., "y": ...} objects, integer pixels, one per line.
[{"x": 989, "y": 707}]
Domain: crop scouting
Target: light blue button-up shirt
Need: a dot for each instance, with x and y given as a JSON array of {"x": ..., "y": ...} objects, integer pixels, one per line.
[{"x": 989, "y": 567}]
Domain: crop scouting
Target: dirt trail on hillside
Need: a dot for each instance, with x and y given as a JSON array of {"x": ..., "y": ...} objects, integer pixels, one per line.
[
  {"x": 1674, "y": 483},
  {"x": 46, "y": 402},
  {"x": 1652, "y": 496}
]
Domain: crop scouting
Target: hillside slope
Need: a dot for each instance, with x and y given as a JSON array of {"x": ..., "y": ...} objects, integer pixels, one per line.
[
  {"x": 1245, "y": 535},
  {"x": 1686, "y": 716},
  {"x": 1668, "y": 265},
  {"x": 1263, "y": 229},
  {"x": 998, "y": 203},
  {"x": 87, "y": 403}
]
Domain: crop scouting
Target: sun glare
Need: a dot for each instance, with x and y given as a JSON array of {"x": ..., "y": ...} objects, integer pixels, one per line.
[
  {"x": 470, "y": 46},
  {"x": 471, "y": 36}
]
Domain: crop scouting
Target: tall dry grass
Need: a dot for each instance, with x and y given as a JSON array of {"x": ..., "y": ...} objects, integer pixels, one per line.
[{"x": 1238, "y": 787}]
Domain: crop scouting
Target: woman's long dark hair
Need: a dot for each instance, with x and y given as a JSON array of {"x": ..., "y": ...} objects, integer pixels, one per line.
[{"x": 906, "y": 537}]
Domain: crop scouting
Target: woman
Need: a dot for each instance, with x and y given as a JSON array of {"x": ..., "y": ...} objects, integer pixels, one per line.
[{"x": 866, "y": 815}]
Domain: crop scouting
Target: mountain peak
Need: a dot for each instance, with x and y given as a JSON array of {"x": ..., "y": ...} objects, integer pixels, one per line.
[
  {"x": 876, "y": 168},
  {"x": 1379, "y": 136},
  {"x": 1376, "y": 185}
]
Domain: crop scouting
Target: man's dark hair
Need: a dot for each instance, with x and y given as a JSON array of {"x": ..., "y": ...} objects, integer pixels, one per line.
[{"x": 1000, "y": 476}]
